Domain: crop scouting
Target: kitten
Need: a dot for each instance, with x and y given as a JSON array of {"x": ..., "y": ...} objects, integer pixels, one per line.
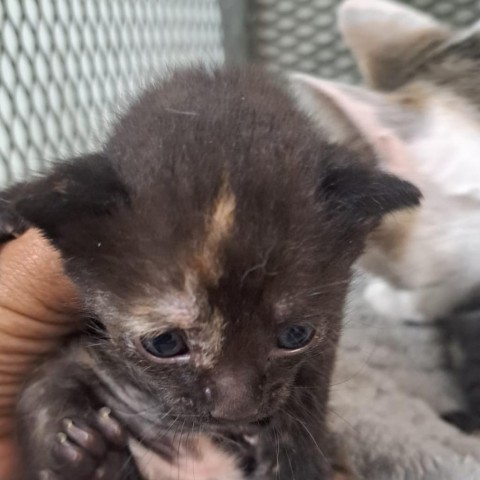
[
  {"x": 212, "y": 241},
  {"x": 423, "y": 119}
]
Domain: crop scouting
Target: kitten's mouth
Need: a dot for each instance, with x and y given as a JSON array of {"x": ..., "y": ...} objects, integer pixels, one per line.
[
  {"x": 262, "y": 423},
  {"x": 247, "y": 427}
]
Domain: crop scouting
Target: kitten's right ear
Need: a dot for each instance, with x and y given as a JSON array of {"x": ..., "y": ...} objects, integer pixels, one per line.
[
  {"x": 74, "y": 189},
  {"x": 386, "y": 38}
]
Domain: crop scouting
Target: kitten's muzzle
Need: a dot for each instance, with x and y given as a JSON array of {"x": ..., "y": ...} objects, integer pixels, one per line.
[{"x": 234, "y": 396}]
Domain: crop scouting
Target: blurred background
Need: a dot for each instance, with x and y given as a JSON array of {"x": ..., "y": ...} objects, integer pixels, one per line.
[{"x": 67, "y": 66}]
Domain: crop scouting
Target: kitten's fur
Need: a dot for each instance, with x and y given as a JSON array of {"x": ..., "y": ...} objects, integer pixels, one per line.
[
  {"x": 216, "y": 207},
  {"x": 424, "y": 122}
]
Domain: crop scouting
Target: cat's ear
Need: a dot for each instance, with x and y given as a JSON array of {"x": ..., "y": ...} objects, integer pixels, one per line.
[
  {"x": 75, "y": 189},
  {"x": 386, "y": 37},
  {"x": 362, "y": 195},
  {"x": 355, "y": 117}
]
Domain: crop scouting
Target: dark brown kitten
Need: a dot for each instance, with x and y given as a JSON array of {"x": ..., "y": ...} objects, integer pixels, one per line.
[{"x": 212, "y": 242}]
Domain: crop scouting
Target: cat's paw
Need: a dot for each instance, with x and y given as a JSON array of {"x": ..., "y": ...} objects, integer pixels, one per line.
[
  {"x": 12, "y": 225},
  {"x": 88, "y": 450}
]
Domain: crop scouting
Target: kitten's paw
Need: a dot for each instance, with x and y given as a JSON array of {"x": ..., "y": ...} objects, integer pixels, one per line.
[
  {"x": 94, "y": 450},
  {"x": 465, "y": 421}
]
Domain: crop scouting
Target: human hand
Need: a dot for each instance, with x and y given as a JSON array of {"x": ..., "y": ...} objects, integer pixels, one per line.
[{"x": 37, "y": 309}]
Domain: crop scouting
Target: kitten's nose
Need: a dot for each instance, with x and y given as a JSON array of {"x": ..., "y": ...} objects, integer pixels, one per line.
[{"x": 233, "y": 397}]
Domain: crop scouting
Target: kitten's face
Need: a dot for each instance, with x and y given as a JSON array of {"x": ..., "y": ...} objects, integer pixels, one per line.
[
  {"x": 221, "y": 355},
  {"x": 215, "y": 331}
]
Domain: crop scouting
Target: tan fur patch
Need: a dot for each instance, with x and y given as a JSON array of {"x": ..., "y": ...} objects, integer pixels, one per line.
[
  {"x": 207, "y": 338},
  {"x": 158, "y": 311},
  {"x": 414, "y": 95},
  {"x": 186, "y": 310},
  {"x": 392, "y": 236},
  {"x": 207, "y": 261},
  {"x": 173, "y": 310}
]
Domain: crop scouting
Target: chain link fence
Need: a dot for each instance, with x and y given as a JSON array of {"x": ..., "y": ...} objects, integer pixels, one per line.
[
  {"x": 66, "y": 66},
  {"x": 302, "y": 34}
]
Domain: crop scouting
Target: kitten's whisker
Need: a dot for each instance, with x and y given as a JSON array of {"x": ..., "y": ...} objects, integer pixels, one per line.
[
  {"x": 179, "y": 449},
  {"x": 302, "y": 424},
  {"x": 192, "y": 429},
  {"x": 277, "y": 438}
]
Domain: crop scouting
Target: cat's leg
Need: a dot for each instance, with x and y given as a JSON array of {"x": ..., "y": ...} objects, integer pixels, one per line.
[{"x": 64, "y": 433}]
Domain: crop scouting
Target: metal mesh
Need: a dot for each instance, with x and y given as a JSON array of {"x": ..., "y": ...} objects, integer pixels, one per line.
[
  {"x": 302, "y": 34},
  {"x": 66, "y": 65}
]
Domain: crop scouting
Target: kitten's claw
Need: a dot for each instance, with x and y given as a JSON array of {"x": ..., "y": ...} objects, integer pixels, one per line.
[
  {"x": 110, "y": 427},
  {"x": 72, "y": 458},
  {"x": 85, "y": 437},
  {"x": 88, "y": 452}
]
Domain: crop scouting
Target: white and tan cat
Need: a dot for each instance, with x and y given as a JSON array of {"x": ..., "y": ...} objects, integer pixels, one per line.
[{"x": 423, "y": 120}]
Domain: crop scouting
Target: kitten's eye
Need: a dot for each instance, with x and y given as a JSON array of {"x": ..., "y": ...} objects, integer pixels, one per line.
[
  {"x": 168, "y": 345},
  {"x": 295, "y": 336}
]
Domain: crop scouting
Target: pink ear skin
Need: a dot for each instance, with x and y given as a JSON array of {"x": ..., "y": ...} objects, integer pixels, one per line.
[{"x": 361, "y": 110}]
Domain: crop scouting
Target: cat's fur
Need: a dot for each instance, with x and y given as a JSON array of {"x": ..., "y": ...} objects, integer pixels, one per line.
[
  {"x": 217, "y": 207},
  {"x": 423, "y": 119}
]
